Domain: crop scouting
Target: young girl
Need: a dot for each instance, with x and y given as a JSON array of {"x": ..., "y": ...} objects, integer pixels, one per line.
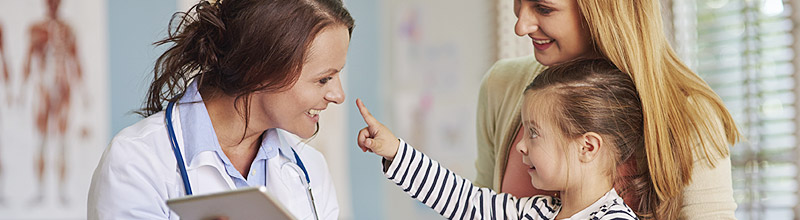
[{"x": 586, "y": 121}]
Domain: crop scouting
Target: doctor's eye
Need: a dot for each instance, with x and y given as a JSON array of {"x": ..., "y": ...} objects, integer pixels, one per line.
[{"x": 325, "y": 80}]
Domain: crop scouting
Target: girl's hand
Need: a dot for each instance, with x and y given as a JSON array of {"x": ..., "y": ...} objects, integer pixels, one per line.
[{"x": 375, "y": 137}]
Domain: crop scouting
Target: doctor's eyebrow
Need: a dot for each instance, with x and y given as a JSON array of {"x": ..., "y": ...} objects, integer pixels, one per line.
[{"x": 330, "y": 71}]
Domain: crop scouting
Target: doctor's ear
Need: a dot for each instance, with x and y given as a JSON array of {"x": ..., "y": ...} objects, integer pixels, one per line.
[{"x": 589, "y": 145}]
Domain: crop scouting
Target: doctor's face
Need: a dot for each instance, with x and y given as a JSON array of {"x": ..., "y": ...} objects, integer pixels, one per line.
[
  {"x": 297, "y": 109},
  {"x": 556, "y": 28}
]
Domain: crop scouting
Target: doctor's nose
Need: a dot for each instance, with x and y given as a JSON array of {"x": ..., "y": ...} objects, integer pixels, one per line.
[
  {"x": 527, "y": 23},
  {"x": 336, "y": 94}
]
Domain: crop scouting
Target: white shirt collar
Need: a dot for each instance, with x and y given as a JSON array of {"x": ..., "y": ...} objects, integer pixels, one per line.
[{"x": 584, "y": 214}]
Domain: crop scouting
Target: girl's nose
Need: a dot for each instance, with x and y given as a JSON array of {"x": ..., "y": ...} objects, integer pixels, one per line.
[{"x": 521, "y": 147}]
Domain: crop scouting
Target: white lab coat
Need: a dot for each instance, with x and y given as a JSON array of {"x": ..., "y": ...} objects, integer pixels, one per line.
[{"x": 138, "y": 173}]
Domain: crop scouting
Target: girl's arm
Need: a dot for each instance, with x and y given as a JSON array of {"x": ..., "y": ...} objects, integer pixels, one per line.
[
  {"x": 457, "y": 198},
  {"x": 439, "y": 188}
]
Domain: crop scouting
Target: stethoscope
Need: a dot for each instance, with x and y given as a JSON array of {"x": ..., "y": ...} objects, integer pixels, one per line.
[{"x": 299, "y": 167}]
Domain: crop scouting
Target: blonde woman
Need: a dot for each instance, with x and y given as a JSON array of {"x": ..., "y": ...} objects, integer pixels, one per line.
[{"x": 688, "y": 131}]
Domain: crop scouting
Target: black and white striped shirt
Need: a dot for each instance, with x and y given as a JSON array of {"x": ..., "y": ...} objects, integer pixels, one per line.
[{"x": 456, "y": 198}]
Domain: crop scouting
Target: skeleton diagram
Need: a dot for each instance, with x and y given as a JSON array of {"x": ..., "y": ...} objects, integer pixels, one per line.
[{"x": 52, "y": 65}]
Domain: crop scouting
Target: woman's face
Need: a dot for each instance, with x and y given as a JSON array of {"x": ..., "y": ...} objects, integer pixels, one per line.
[
  {"x": 556, "y": 28},
  {"x": 297, "y": 109}
]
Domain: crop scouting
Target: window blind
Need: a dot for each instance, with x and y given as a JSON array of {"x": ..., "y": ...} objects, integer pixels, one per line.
[{"x": 743, "y": 49}]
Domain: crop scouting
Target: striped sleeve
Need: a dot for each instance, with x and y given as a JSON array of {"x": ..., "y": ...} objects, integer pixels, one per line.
[{"x": 457, "y": 198}]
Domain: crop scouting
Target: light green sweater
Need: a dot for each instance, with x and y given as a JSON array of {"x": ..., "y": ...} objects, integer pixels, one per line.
[
  {"x": 708, "y": 196},
  {"x": 499, "y": 104}
]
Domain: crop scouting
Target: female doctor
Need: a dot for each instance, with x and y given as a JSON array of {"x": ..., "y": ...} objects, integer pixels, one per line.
[{"x": 265, "y": 70}]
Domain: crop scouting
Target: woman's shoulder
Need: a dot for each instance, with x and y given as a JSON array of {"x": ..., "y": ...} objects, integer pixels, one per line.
[
  {"x": 513, "y": 71},
  {"x": 147, "y": 138},
  {"x": 140, "y": 148},
  {"x": 507, "y": 78},
  {"x": 141, "y": 130}
]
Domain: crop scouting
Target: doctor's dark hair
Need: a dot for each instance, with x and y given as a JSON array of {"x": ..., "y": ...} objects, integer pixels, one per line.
[
  {"x": 239, "y": 47},
  {"x": 592, "y": 95}
]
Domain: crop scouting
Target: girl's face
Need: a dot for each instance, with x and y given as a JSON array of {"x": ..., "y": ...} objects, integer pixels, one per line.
[
  {"x": 556, "y": 28},
  {"x": 544, "y": 149},
  {"x": 297, "y": 109}
]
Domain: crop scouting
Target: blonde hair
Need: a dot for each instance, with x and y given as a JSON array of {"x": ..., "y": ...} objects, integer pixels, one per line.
[{"x": 629, "y": 33}]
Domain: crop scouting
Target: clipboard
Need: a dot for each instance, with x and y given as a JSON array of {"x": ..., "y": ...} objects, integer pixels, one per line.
[{"x": 245, "y": 203}]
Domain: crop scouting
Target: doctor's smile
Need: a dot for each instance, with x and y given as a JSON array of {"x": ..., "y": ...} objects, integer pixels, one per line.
[{"x": 314, "y": 114}]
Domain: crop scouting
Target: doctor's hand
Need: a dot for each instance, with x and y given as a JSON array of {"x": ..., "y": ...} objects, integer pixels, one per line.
[{"x": 375, "y": 137}]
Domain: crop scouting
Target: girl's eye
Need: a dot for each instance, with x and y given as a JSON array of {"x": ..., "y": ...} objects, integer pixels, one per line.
[
  {"x": 533, "y": 133},
  {"x": 325, "y": 80}
]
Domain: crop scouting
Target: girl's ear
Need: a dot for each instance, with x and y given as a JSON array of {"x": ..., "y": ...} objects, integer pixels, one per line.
[{"x": 590, "y": 144}]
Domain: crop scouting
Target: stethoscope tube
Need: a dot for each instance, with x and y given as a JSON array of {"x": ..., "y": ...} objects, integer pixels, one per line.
[
  {"x": 176, "y": 150},
  {"x": 308, "y": 187},
  {"x": 182, "y": 166}
]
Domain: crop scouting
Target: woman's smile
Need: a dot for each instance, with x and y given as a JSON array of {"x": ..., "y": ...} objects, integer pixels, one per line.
[
  {"x": 542, "y": 44},
  {"x": 314, "y": 114}
]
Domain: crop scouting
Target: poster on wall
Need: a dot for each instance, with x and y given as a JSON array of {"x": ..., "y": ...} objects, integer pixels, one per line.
[{"x": 53, "y": 105}]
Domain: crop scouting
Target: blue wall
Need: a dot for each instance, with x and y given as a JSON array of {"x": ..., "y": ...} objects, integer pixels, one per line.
[
  {"x": 133, "y": 27},
  {"x": 363, "y": 62}
]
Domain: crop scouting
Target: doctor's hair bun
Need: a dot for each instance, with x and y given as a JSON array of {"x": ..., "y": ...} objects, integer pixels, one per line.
[{"x": 198, "y": 35}]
